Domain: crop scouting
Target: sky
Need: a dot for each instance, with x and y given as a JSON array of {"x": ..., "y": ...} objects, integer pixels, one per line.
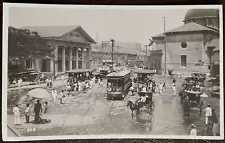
[{"x": 121, "y": 24}]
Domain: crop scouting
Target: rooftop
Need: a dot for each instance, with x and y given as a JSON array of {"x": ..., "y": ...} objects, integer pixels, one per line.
[
  {"x": 201, "y": 13},
  {"x": 57, "y": 31},
  {"x": 119, "y": 74},
  {"x": 190, "y": 27}
]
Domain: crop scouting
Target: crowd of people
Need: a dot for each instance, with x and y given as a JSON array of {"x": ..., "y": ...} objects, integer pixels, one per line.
[
  {"x": 40, "y": 113},
  {"x": 73, "y": 84}
]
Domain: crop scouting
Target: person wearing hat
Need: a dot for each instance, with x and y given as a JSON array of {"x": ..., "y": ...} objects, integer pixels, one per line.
[
  {"x": 193, "y": 131},
  {"x": 208, "y": 114}
]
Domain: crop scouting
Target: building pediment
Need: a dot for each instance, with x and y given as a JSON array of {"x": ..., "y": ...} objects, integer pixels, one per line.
[
  {"x": 65, "y": 33},
  {"x": 77, "y": 35}
]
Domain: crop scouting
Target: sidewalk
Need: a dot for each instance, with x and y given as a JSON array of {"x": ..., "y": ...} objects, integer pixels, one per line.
[
  {"x": 60, "y": 118},
  {"x": 26, "y": 85}
]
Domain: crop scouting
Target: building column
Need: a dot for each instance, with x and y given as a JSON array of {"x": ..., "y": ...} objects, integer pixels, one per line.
[
  {"x": 71, "y": 58},
  {"x": 55, "y": 59},
  {"x": 63, "y": 59},
  {"x": 88, "y": 62},
  {"x": 51, "y": 65},
  {"x": 33, "y": 63},
  {"x": 83, "y": 61},
  {"x": 37, "y": 64},
  {"x": 77, "y": 58}
]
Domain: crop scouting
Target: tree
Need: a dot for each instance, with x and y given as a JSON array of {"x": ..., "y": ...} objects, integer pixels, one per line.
[{"x": 24, "y": 44}]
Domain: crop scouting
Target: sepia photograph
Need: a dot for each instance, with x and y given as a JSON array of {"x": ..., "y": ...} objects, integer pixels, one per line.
[{"x": 91, "y": 71}]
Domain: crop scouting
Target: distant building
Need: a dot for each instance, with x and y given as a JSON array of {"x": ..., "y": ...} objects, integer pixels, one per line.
[
  {"x": 194, "y": 45},
  {"x": 72, "y": 48},
  {"x": 124, "y": 53}
]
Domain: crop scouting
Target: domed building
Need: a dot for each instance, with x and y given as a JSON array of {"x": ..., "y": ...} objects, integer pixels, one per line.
[{"x": 193, "y": 46}]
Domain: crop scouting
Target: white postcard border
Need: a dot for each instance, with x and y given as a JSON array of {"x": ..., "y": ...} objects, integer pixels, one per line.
[{"x": 6, "y": 7}]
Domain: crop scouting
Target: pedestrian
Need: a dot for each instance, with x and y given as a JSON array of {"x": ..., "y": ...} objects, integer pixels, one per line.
[
  {"x": 101, "y": 82},
  {"x": 144, "y": 89},
  {"x": 208, "y": 114},
  {"x": 160, "y": 88},
  {"x": 45, "y": 109},
  {"x": 54, "y": 94},
  {"x": 47, "y": 82},
  {"x": 27, "y": 113},
  {"x": 174, "y": 81},
  {"x": 37, "y": 111},
  {"x": 79, "y": 86},
  {"x": 62, "y": 79},
  {"x": 20, "y": 81},
  {"x": 174, "y": 90},
  {"x": 193, "y": 131},
  {"x": 62, "y": 96},
  {"x": 16, "y": 113},
  {"x": 164, "y": 87},
  {"x": 87, "y": 85},
  {"x": 50, "y": 82},
  {"x": 215, "y": 129}
]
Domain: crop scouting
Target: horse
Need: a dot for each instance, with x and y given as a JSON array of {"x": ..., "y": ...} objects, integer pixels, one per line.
[
  {"x": 133, "y": 107},
  {"x": 137, "y": 105}
]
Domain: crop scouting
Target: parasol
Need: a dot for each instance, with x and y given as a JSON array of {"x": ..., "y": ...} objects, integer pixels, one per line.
[
  {"x": 193, "y": 92},
  {"x": 204, "y": 95},
  {"x": 39, "y": 93}
]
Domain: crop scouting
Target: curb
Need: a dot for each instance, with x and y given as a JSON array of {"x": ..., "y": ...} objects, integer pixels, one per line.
[{"x": 14, "y": 131}]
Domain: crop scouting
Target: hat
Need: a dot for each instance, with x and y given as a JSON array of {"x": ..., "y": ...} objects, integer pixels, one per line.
[{"x": 193, "y": 125}]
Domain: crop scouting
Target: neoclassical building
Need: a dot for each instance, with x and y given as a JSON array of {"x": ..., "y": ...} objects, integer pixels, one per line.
[
  {"x": 193, "y": 46},
  {"x": 72, "y": 49}
]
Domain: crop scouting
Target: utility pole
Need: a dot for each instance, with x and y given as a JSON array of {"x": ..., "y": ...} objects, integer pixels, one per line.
[
  {"x": 112, "y": 40},
  {"x": 146, "y": 55},
  {"x": 164, "y": 21}
]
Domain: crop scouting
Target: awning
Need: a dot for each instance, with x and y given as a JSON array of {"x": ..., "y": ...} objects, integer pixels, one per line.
[{"x": 79, "y": 71}]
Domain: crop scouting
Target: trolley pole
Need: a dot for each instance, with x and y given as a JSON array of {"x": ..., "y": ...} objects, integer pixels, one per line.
[
  {"x": 112, "y": 40},
  {"x": 164, "y": 21}
]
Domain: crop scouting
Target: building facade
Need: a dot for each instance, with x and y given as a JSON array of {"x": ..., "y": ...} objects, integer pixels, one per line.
[
  {"x": 188, "y": 47},
  {"x": 124, "y": 53},
  {"x": 72, "y": 49},
  {"x": 155, "y": 61}
]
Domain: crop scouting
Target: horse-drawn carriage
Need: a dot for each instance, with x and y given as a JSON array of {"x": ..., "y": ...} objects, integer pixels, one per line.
[
  {"x": 30, "y": 76},
  {"x": 143, "y": 77},
  {"x": 191, "y": 99},
  {"x": 143, "y": 108},
  {"x": 197, "y": 79}
]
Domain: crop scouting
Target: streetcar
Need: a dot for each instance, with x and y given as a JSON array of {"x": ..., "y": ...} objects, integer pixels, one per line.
[
  {"x": 80, "y": 74},
  {"x": 118, "y": 84},
  {"x": 144, "y": 74}
]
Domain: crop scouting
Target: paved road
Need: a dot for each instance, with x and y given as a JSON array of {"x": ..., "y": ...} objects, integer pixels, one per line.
[{"x": 91, "y": 113}]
